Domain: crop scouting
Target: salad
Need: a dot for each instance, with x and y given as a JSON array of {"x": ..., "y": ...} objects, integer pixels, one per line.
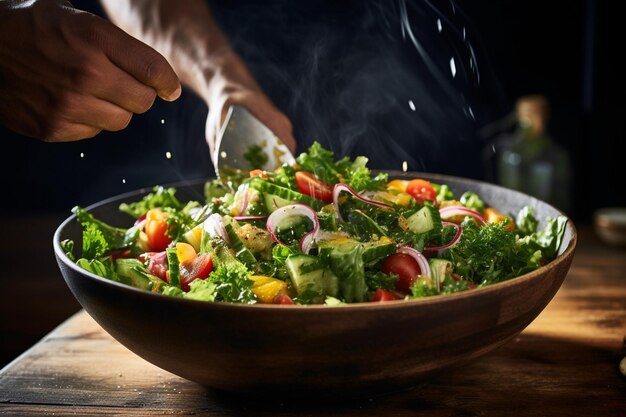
[{"x": 323, "y": 231}]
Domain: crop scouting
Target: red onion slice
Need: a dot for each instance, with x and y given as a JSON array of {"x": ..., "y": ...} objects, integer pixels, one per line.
[
  {"x": 454, "y": 240},
  {"x": 291, "y": 210},
  {"x": 421, "y": 260},
  {"x": 214, "y": 226},
  {"x": 451, "y": 211},
  {"x": 243, "y": 203},
  {"x": 341, "y": 187},
  {"x": 249, "y": 218}
]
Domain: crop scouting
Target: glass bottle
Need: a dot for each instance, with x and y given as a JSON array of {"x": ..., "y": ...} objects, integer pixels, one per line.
[{"x": 531, "y": 161}]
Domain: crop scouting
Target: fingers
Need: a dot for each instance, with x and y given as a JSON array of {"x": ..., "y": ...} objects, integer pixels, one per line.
[
  {"x": 142, "y": 62},
  {"x": 124, "y": 91},
  {"x": 94, "y": 112}
]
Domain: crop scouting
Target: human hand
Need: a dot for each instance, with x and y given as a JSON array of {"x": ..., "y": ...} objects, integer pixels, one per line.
[
  {"x": 233, "y": 84},
  {"x": 66, "y": 74}
]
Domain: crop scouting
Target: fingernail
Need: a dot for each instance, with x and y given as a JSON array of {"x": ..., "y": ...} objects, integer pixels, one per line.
[{"x": 173, "y": 96}]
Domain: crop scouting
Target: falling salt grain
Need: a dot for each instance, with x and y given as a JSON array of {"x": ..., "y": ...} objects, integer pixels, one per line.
[
  {"x": 82, "y": 155},
  {"x": 405, "y": 166},
  {"x": 168, "y": 155},
  {"x": 123, "y": 180},
  {"x": 162, "y": 121},
  {"x": 223, "y": 154},
  {"x": 412, "y": 105},
  {"x": 452, "y": 67},
  {"x": 439, "y": 27}
]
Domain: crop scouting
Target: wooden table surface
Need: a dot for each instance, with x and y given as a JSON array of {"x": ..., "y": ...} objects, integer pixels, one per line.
[{"x": 566, "y": 363}]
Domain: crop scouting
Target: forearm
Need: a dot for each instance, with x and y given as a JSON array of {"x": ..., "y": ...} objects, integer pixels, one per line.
[{"x": 188, "y": 36}]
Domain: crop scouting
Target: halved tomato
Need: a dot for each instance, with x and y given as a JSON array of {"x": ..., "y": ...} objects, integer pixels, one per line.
[
  {"x": 311, "y": 185},
  {"x": 421, "y": 190},
  {"x": 385, "y": 295},
  {"x": 405, "y": 267},
  {"x": 199, "y": 268}
]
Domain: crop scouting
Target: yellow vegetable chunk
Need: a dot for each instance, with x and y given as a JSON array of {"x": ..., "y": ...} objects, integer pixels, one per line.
[
  {"x": 397, "y": 185},
  {"x": 185, "y": 253},
  {"x": 267, "y": 288},
  {"x": 494, "y": 216},
  {"x": 194, "y": 237}
]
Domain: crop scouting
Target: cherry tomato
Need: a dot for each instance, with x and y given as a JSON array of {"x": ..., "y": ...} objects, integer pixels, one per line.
[
  {"x": 198, "y": 268},
  {"x": 405, "y": 267},
  {"x": 311, "y": 185},
  {"x": 282, "y": 298},
  {"x": 384, "y": 295},
  {"x": 421, "y": 190},
  {"x": 156, "y": 229},
  {"x": 258, "y": 173}
]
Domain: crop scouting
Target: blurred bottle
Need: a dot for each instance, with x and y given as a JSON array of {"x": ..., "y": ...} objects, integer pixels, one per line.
[{"x": 530, "y": 161}]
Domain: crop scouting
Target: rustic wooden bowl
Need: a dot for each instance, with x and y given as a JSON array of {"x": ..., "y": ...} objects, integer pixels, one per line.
[{"x": 316, "y": 351}]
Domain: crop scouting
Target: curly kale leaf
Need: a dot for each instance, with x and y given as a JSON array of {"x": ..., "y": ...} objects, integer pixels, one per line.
[
  {"x": 160, "y": 197},
  {"x": 99, "y": 237}
]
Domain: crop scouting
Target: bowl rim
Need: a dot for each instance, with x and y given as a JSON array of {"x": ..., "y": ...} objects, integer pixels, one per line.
[{"x": 395, "y": 304}]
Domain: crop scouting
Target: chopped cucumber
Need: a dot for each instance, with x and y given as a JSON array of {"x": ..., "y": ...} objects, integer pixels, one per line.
[
  {"x": 307, "y": 273},
  {"x": 425, "y": 220},
  {"x": 241, "y": 252},
  {"x": 137, "y": 275},
  {"x": 439, "y": 270},
  {"x": 282, "y": 195},
  {"x": 172, "y": 260},
  {"x": 376, "y": 250}
]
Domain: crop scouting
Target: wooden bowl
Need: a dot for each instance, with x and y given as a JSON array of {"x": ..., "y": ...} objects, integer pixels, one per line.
[{"x": 316, "y": 351}]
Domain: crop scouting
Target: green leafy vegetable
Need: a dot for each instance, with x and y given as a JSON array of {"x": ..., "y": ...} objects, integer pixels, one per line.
[
  {"x": 99, "y": 237},
  {"x": 160, "y": 197},
  {"x": 256, "y": 157}
]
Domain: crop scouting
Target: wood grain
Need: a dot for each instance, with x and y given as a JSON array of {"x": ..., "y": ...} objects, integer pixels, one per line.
[{"x": 564, "y": 363}]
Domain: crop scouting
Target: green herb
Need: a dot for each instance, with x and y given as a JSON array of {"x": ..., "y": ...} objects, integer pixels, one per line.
[
  {"x": 160, "y": 197},
  {"x": 99, "y": 237},
  {"x": 232, "y": 284},
  {"x": 256, "y": 157}
]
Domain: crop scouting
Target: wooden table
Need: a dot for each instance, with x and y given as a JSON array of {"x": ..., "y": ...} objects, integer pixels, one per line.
[{"x": 566, "y": 363}]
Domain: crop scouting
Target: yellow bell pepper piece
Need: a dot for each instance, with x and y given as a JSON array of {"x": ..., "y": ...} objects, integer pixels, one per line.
[
  {"x": 185, "y": 253},
  {"x": 397, "y": 185},
  {"x": 267, "y": 288},
  {"x": 494, "y": 216}
]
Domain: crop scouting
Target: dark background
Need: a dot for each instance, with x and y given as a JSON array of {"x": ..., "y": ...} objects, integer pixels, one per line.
[{"x": 568, "y": 51}]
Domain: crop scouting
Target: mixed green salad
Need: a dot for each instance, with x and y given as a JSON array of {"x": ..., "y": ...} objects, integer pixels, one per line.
[{"x": 321, "y": 231}]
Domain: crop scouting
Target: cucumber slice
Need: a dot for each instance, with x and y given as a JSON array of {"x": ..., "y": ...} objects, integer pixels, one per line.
[
  {"x": 425, "y": 220},
  {"x": 319, "y": 280},
  {"x": 281, "y": 196},
  {"x": 137, "y": 276},
  {"x": 376, "y": 250},
  {"x": 241, "y": 252},
  {"x": 439, "y": 269},
  {"x": 346, "y": 261}
]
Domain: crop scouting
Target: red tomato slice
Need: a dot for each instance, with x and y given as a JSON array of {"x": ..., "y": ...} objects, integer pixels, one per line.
[
  {"x": 282, "y": 299},
  {"x": 258, "y": 173},
  {"x": 311, "y": 185},
  {"x": 405, "y": 267},
  {"x": 384, "y": 295},
  {"x": 199, "y": 268},
  {"x": 421, "y": 190}
]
